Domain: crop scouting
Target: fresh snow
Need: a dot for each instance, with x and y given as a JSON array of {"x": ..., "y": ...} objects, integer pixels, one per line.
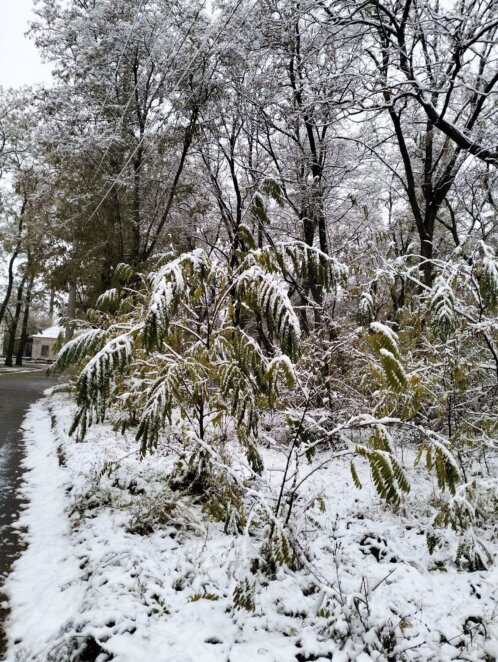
[
  {"x": 51, "y": 332},
  {"x": 46, "y": 591},
  {"x": 117, "y": 560},
  {"x": 14, "y": 370}
]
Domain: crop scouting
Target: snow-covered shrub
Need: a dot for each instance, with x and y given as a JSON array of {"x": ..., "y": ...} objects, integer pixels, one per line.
[
  {"x": 164, "y": 509},
  {"x": 203, "y": 347}
]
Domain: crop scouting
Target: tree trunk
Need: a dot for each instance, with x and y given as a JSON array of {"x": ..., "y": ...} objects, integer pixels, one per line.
[
  {"x": 10, "y": 282},
  {"x": 52, "y": 304},
  {"x": 10, "y": 270},
  {"x": 71, "y": 311},
  {"x": 25, "y": 319},
  {"x": 13, "y": 327}
]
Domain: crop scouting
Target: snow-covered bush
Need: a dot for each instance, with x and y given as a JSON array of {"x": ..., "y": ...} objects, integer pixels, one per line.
[{"x": 202, "y": 348}]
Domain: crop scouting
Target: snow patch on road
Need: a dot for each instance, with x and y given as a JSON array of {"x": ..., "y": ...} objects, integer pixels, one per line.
[{"x": 44, "y": 589}]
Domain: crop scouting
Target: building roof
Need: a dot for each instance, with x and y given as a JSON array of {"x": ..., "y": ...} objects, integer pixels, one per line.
[{"x": 52, "y": 332}]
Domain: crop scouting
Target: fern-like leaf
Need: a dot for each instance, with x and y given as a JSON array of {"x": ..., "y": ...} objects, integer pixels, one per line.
[
  {"x": 158, "y": 410},
  {"x": 109, "y": 300},
  {"x": 78, "y": 348},
  {"x": 488, "y": 276},
  {"x": 170, "y": 284},
  {"x": 273, "y": 189},
  {"x": 366, "y": 309},
  {"x": 442, "y": 307},
  {"x": 265, "y": 294},
  {"x": 94, "y": 381},
  {"x": 387, "y": 475},
  {"x": 124, "y": 273}
]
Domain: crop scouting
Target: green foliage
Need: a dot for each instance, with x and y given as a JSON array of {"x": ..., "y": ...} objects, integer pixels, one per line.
[
  {"x": 264, "y": 294},
  {"x": 94, "y": 382},
  {"x": 304, "y": 434},
  {"x": 488, "y": 276},
  {"x": 187, "y": 360},
  {"x": 433, "y": 541},
  {"x": 173, "y": 283},
  {"x": 383, "y": 337},
  {"x": 109, "y": 300},
  {"x": 259, "y": 210},
  {"x": 124, "y": 273},
  {"x": 162, "y": 395},
  {"x": 242, "y": 394},
  {"x": 273, "y": 189},
  {"x": 472, "y": 554},
  {"x": 280, "y": 550},
  {"x": 246, "y": 237},
  {"x": 80, "y": 347},
  {"x": 456, "y": 515},
  {"x": 312, "y": 265},
  {"x": 393, "y": 371},
  {"x": 366, "y": 309},
  {"x": 442, "y": 307},
  {"x": 387, "y": 475},
  {"x": 439, "y": 458},
  {"x": 234, "y": 521},
  {"x": 254, "y": 458},
  {"x": 280, "y": 370},
  {"x": 473, "y": 504},
  {"x": 298, "y": 260},
  {"x": 356, "y": 478},
  {"x": 212, "y": 597},
  {"x": 385, "y": 342},
  {"x": 59, "y": 343},
  {"x": 244, "y": 596}
]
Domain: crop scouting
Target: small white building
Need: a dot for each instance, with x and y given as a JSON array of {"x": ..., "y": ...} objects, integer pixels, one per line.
[{"x": 43, "y": 344}]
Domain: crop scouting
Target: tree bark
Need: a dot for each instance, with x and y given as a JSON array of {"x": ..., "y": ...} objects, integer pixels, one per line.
[
  {"x": 14, "y": 324},
  {"x": 71, "y": 311},
  {"x": 13, "y": 257},
  {"x": 25, "y": 319}
]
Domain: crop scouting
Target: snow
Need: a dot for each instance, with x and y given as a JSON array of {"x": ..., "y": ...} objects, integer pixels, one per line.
[
  {"x": 271, "y": 295},
  {"x": 168, "y": 282},
  {"x": 118, "y": 559},
  {"x": 383, "y": 329},
  {"x": 51, "y": 332},
  {"x": 14, "y": 370},
  {"x": 46, "y": 593}
]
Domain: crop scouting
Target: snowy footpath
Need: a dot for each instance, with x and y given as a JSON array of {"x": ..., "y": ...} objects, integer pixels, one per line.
[{"x": 120, "y": 568}]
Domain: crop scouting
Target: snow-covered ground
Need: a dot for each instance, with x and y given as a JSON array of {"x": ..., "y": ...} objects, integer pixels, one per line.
[
  {"x": 119, "y": 567},
  {"x": 14, "y": 370}
]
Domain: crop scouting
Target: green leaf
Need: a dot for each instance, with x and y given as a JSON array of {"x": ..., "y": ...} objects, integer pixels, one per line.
[{"x": 354, "y": 474}]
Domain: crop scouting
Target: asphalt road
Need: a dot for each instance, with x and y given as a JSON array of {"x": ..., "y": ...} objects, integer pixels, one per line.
[{"x": 17, "y": 392}]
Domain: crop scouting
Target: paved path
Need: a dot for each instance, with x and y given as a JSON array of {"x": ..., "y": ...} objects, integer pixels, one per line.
[{"x": 17, "y": 392}]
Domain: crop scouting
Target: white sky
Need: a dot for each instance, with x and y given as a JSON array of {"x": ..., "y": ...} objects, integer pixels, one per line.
[{"x": 20, "y": 62}]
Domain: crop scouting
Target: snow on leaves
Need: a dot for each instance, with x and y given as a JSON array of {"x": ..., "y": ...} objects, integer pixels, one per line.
[
  {"x": 79, "y": 347},
  {"x": 442, "y": 307},
  {"x": 264, "y": 293},
  {"x": 385, "y": 342},
  {"x": 94, "y": 381},
  {"x": 170, "y": 285},
  {"x": 488, "y": 276},
  {"x": 366, "y": 309}
]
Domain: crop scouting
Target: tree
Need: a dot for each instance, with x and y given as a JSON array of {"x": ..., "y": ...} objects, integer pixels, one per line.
[
  {"x": 120, "y": 124},
  {"x": 431, "y": 70}
]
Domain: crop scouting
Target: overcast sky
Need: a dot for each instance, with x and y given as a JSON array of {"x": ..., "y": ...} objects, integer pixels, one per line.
[{"x": 20, "y": 63}]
